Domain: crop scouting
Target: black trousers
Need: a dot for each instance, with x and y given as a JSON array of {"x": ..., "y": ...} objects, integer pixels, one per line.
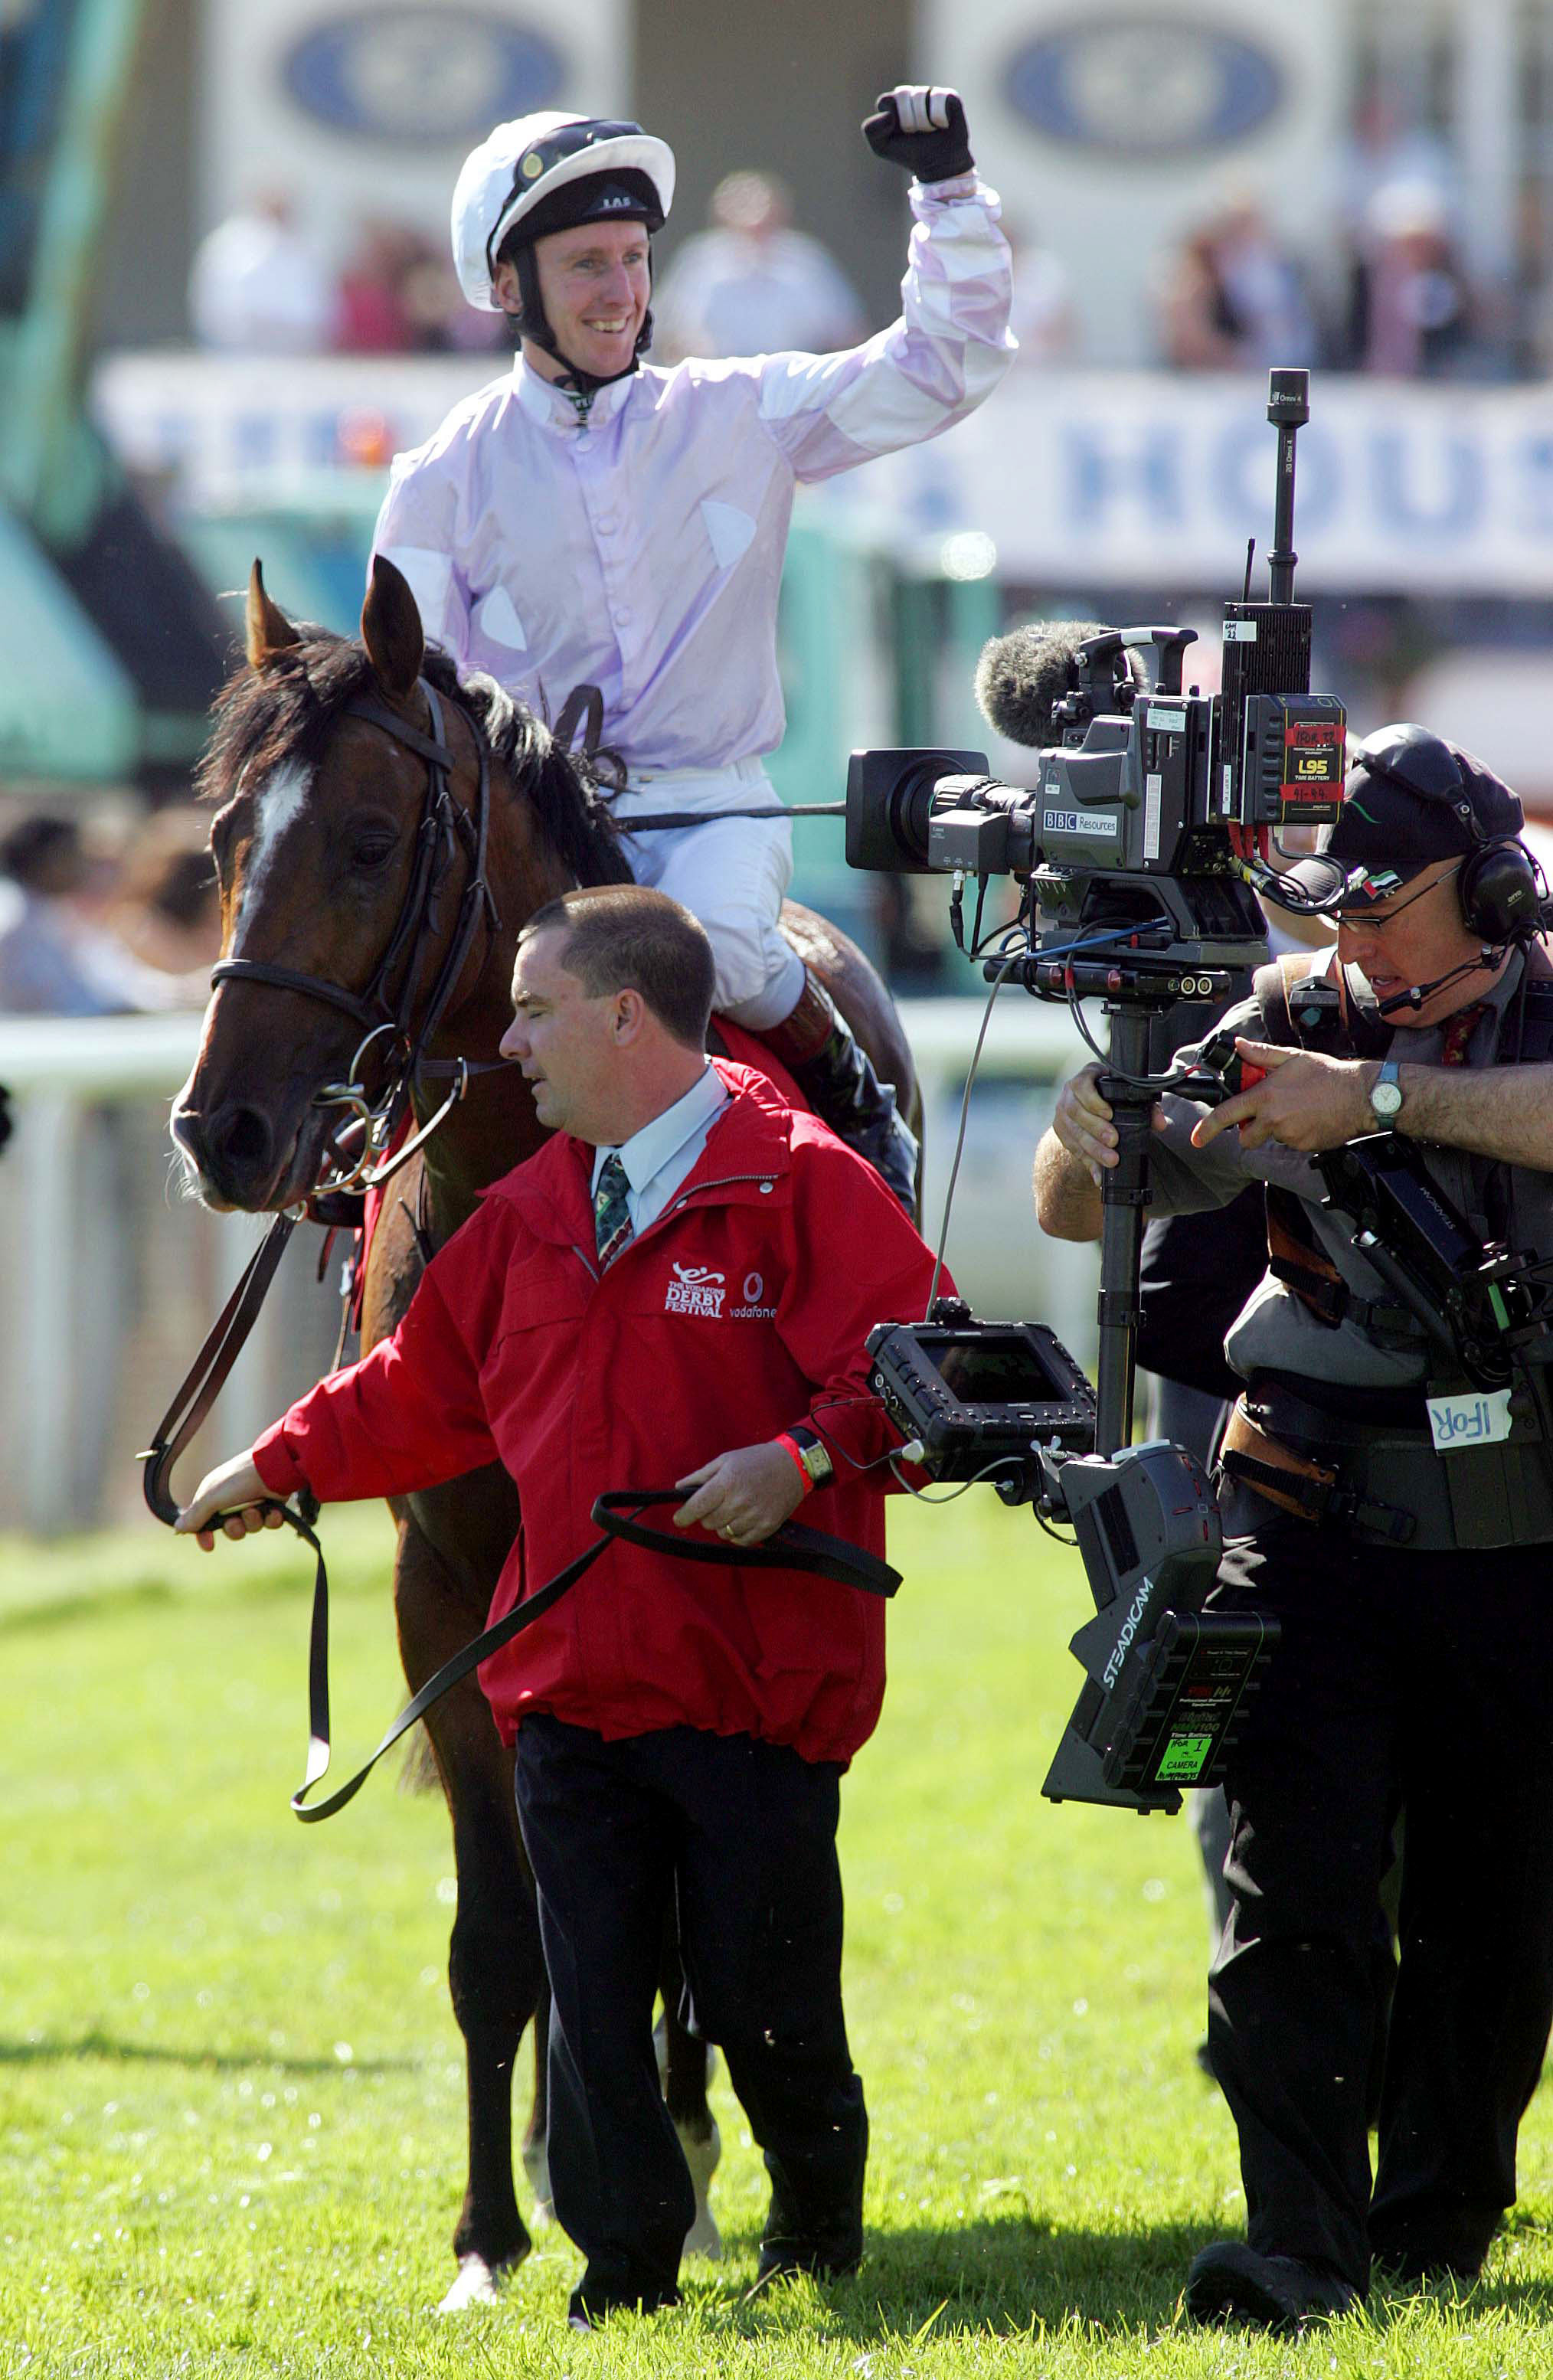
[
  {"x": 743, "y": 1836},
  {"x": 1411, "y": 1681}
]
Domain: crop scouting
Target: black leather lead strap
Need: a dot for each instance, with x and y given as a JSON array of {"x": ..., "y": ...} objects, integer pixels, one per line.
[
  {"x": 206, "y": 1377},
  {"x": 792, "y": 1547}
]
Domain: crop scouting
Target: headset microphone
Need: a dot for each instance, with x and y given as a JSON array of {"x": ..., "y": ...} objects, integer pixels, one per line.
[{"x": 1417, "y": 993}]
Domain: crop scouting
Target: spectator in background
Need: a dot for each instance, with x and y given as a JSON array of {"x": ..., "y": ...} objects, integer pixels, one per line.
[
  {"x": 398, "y": 295},
  {"x": 258, "y": 288},
  {"x": 167, "y": 916},
  {"x": 370, "y": 317},
  {"x": 52, "y": 889},
  {"x": 1042, "y": 316},
  {"x": 1410, "y": 310},
  {"x": 58, "y": 953},
  {"x": 1231, "y": 299},
  {"x": 1383, "y": 148},
  {"x": 752, "y": 286}
]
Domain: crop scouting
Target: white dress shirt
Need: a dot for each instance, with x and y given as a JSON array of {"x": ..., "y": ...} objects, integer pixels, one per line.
[
  {"x": 641, "y": 550},
  {"x": 659, "y": 1156}
]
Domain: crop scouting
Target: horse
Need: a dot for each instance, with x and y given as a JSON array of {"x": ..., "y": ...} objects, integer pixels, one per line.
[{"x": 322, "y": 766}]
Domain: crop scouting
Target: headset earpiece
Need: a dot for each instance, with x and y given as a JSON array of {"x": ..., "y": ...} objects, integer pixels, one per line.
[{"x": 1498, "y": 890}]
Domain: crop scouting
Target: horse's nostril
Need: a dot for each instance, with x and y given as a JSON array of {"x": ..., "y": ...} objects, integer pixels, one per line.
[{"x": 241, "y": 1137}]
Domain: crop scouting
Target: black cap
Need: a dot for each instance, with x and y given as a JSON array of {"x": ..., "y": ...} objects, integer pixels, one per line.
[
  {"x": 622, "y": 196},
  {"x": 1411, "y": 799}
]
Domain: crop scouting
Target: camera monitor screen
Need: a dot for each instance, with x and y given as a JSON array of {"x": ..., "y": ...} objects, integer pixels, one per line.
[{"x": 998, "y": 1369}]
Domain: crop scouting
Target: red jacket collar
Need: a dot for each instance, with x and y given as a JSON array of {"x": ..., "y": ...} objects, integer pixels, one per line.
[{"x": 749, "y": 1143}]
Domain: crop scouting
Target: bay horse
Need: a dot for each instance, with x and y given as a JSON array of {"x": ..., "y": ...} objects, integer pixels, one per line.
[{"x": 319, "y": 763}]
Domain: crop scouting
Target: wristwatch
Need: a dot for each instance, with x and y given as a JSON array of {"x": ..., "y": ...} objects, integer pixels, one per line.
[
  {"x": 813, "y": 1456},
  {"x": 1386, "y": 1098}
]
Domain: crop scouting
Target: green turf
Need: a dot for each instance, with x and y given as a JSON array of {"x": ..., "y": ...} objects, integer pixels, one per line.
[{"x": 231, "y": 2104}]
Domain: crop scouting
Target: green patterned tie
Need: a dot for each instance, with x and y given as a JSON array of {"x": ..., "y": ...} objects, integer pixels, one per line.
[{"x": 611, "y": 1214}]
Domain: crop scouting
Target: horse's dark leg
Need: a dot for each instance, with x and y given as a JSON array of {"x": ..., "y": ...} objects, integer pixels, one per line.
[
  {"x": 536, "y": 2139},
  {"x": 496, "y": 1968},
  {"x": 684, "y": 2064}
]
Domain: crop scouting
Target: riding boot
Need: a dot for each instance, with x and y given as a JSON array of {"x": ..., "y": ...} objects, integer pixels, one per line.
[{"x": 816, "y": 1045}]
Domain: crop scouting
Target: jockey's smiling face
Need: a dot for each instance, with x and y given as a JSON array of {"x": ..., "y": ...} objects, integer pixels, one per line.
[{"x": 596, "y": 285}]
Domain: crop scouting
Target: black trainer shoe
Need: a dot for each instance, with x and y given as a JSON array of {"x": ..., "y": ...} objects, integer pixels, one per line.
[
  {"x": 784, "y": 2260},
  {"x": 587, "y": 2306},
  {"x": 1401, "y": 2271},
  {"x": 1230, "y": 2282}
]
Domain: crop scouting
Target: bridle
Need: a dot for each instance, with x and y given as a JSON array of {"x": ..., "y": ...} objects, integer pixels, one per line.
[{"x": 444, "y": 828}]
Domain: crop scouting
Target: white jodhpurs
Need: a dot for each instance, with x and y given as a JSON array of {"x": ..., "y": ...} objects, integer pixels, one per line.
[{"x": 731, "y": 873}]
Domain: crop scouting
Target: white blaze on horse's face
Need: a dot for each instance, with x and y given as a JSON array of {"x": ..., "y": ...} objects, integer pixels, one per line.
[{"x": 277, "y": 804}]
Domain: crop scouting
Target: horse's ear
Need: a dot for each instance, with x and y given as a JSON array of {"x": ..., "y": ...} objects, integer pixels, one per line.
[
  {"x": 268, "y": 629},
  {"x": 391, "y": 629}
]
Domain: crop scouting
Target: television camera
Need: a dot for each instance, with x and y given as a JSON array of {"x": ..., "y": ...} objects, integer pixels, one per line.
[{"x": 1154, "y": 822}]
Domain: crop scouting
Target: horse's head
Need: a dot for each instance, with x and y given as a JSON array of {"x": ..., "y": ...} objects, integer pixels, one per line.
[{"x": 340, "y": 874}]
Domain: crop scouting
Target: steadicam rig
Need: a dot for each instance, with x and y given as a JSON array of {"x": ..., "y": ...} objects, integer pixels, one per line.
[{"x": 1153, "y": 822}]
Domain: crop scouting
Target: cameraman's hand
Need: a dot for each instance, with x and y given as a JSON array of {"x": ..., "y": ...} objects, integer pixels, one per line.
[
  {"x": 744, "y": 1495},
  {"x": 234, "y": 1495},
  {"x": 1082, "y": 1123},
  {"x": 921, "y": 127},
  {"x": 1305, "y": 1100}
]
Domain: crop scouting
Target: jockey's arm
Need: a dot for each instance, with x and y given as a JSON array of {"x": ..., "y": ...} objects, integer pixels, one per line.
[{"x": 945, "y": 353}]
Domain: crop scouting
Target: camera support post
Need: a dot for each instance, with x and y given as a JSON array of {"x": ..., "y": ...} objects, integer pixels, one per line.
[
  {"x": 1124, "y": 1198},
  {"x": 1166, "y": 1681}
]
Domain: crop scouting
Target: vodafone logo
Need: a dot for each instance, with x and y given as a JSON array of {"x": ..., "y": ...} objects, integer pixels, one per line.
[{"x": 753, "y": 1285}]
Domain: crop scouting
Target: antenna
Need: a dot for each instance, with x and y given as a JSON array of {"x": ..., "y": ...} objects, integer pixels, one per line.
[{"x": 1288, "y": 410}]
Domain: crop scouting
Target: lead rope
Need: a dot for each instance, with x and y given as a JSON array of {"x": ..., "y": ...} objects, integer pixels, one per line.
[{"x": 616, "y": 1514}]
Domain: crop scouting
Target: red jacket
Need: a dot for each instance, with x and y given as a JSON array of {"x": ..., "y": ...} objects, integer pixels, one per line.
[{"x": 741, "y": 1312}]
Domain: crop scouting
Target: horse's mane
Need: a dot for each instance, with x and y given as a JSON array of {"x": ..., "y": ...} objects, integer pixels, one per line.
[{"x": 287, "y": 709}]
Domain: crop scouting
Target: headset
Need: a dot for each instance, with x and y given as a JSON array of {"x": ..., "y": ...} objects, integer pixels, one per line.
[{"x": 1501, "y": 887}]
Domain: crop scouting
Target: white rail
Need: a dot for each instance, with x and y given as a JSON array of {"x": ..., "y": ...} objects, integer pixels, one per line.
[{"x": 113, "y": 1284}]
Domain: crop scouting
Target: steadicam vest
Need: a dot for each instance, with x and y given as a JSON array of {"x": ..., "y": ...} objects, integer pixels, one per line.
[{"x": 1478, "y": 1495}]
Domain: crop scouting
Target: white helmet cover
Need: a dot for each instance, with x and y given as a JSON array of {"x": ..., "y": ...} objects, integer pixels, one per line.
[{"x": 526, "y": 161}]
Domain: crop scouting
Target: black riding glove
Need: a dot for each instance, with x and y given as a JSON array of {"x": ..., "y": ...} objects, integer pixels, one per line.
[{"x": 921, "y": 127}]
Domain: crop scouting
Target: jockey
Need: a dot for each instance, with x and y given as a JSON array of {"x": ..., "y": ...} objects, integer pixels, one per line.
[{"x": 586, "y": 520}]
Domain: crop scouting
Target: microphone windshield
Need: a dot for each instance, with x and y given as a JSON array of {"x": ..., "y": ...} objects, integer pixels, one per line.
[{"x": 1021, "y": 677}]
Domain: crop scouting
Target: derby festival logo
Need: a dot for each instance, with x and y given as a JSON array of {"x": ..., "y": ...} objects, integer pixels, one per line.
[{"x": 695, "y": 1290}]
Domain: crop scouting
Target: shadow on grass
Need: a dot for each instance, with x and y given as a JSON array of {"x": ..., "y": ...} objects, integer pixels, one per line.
[
  {"x": 215, "y": 2062},
  {"x": 995, "y": 2277}
]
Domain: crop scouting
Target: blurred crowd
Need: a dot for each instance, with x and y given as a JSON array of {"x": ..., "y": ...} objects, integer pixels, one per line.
[
  {"x": 106, "y": 914},
  {"x": 1391, "y": 294}
]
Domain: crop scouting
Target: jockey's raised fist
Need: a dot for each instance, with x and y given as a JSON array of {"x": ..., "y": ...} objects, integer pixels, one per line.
[{"x": 922, "y": 126}]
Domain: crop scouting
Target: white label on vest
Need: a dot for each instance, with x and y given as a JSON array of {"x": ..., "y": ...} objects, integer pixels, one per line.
[
  {"x": 1240, "y": 632},
  {"x": 1472, "y": 1420}
]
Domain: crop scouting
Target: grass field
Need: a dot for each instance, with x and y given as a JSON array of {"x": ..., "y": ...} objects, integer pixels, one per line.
[{"x": 231, "y": 2104}]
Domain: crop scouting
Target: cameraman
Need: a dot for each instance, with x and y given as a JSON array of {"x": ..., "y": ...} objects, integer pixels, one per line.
[{"x": 1411, "y": 1671}]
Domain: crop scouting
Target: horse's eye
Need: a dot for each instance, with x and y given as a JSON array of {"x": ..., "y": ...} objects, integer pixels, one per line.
[{"x": 373, "y": 851}]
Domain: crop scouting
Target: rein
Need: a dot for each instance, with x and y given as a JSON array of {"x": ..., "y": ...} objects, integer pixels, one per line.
[
  {"x": 444, "y": 825},
  {"x": 657, "y": 820}
]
